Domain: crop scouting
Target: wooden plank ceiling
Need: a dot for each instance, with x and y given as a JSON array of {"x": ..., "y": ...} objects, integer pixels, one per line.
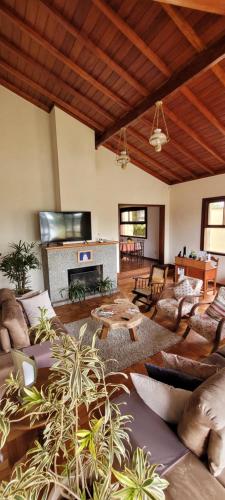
[{"x": 105, "y": 62}]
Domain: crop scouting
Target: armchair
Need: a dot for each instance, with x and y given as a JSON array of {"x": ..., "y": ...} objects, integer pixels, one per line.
[
  {"x": 147, "y": 289},
  {"x": 173, "y": 308},
  {"x": 210, "y": 324}
]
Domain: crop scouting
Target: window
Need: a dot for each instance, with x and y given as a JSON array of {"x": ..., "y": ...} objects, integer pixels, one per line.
[
  {"x": 133, "y": 222},
  {"x": 213, "y": 225}
]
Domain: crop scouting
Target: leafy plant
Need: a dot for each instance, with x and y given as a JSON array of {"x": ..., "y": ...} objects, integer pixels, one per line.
[
  {"x": 104, "y": 285},
  {"x": 16, "y": 264},
  {"x": 78, "y": 462},
  {"x": 76, "y": 291}
]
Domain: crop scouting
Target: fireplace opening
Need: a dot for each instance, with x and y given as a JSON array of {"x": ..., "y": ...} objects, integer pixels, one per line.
[{"x": 88, "y": 276}]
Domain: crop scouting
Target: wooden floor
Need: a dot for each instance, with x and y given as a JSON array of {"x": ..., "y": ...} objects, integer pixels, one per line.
[{"x": 131, "y": 264}]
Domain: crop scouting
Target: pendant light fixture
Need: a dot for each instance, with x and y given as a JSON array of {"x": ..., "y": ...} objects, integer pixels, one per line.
[
  {"x": 122, "y": 157},
  {"x": 159, "y": 134}
]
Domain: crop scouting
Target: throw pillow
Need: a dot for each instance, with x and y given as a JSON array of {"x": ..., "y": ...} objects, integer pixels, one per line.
[
  {"x": 203, "y": 411},
  {"x": 217, "y": 309},
  {"x": 173, "y": 377},
  {"x": 163, "y": 399},
  {"x": 32, "y": 307},
  {"x": 13, "y": 320},
  {"x": 27, "y": 295},
  {"x": 189, "y": 366},
  {"x": 216, "y": 452},
  {"x": 182, "y": 289}
]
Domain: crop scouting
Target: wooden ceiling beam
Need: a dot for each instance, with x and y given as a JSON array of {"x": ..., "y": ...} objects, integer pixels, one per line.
[
  {"x": 132, "y": 36},
  {"x": 203, "y": 109},
  {"x": 56, "y": 79},
  {"x": 164, "y": 153},
  {"x": 137, "y": 162},
  {"x": 21, "y": 93},
  {"x": 197, "y": 65},
  {"x": 193, "y": 38},
  {"x": 85, "y": 40},
  {"x": 180, "y": 148},
  {"x": 196, "y": 137},
  {"x": 34, "y": 35},
  {"x": 212, "y": 6},
  {"x": 52, "y": 97}
]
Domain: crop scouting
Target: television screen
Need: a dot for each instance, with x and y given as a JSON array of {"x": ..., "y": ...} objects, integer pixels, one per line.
[{"x": 65, "y": 226}]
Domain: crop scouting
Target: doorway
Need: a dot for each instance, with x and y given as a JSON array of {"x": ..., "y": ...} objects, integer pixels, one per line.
[{"x": 141, "y": 236}]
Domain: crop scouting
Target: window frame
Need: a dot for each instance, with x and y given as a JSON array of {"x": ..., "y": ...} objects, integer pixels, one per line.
[
  {"x": 135, "y": 209},
  {"x": 204, "y": 221}
]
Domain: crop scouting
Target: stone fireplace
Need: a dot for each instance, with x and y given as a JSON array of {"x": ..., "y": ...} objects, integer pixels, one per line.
[
  {"x": 88, "y": 276},
  {"x": 61, "y": 264}
]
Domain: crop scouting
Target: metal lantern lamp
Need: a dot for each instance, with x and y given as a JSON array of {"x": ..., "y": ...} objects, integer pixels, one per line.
[
  {"x": 158, "y": 137},
  {"x": 122, "y": 157}
]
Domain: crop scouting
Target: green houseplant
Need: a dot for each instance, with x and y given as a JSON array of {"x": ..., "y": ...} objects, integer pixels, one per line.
[
  {"x": 104, "y": 285},
  {"x": 76, "y": 291},
  {"x": 16, "y": 264},
  {"x": 71, "y": 461}
]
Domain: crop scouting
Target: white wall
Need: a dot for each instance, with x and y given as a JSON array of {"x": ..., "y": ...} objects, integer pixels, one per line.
[
  {"x": 26, "y": 172},
  {"x": 151, "y": 245},
  {"x": 186, "y": 205}
]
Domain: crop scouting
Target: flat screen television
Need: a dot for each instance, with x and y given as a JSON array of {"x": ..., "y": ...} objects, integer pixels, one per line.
[{"x": 65, "y": 226}]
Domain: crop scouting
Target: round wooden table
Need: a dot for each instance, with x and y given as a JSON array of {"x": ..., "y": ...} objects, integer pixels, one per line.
[{"x": 122, "y": 314}]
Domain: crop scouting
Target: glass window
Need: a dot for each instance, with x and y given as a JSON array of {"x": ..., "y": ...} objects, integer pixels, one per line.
[
  {"x": 133, "y": 222},
  {"x": 213, "y": 225}
]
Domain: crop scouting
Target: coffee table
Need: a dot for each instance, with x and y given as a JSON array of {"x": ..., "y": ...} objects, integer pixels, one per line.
[{"x": 122, "y": 314}]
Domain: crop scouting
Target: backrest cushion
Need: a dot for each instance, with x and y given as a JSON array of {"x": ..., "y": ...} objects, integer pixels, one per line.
[
  {"x": 173, "y": 377},
  {"x": 203, "y": 411},
  {"x": 189, "y": 366},
  {"x": 32, "y": 307},
  {"x": 217, "y": 309},
  {"x": 5, "y": 343},
  {"x": 183, "y": 288},
  {"x": 13, "y": 320},
  {"x": 158, "y": 275}
]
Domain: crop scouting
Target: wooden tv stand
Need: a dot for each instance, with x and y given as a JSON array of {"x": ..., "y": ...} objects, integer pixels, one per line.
[{"x": 203, "y": 270}]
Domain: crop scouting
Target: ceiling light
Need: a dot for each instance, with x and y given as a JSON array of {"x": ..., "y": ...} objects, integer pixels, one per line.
[
  {"x": 122, "y": 157},
  {"x": 159, "y": 137}
]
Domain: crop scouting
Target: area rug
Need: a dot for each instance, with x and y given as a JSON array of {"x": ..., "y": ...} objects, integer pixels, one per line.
[{"x": 118, "y": 349}]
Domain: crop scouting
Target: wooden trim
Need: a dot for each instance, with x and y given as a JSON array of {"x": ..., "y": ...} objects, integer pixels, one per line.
[
  {"x": 94, "y": 49},
  {"x": 78, "y": 245},
  {"x": 190, "y": 34},
  {"x": 204, "y": 220},
  {"x": 34, "y": 35},
  {"x": 199, "y": 64},
  {"x": 145, "y": 222},
  {"x": 132, "y": 36},
  {"x": 56, "y": 79},
  {"x": 162, "y": 210},
  {"x": 212, "y": 6},
  {"x": 52, "y": 97}
]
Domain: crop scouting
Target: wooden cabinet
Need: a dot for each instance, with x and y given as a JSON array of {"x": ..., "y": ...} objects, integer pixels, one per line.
[{"x": 206, "y": 271}]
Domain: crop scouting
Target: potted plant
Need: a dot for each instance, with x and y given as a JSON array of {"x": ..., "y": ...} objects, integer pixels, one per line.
[
  {"x": 71, "y": 461},
  {"x": 76, "y": 291},
  {"x": 17, "y": 264},
  {"x": 104, "y": 285}
]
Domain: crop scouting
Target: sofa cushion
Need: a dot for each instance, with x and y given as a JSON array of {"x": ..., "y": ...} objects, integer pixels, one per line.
[
  {"x": 203, "y": 411},
  {"x": 173, "y": 377},
  {"x": 167, "y": 401},
  {"x": 182, "y": 289},
  {"x": 5, "y": 339},
  {"x": 41, "y": 353},
  {"x": 216, "y": 452},
  {"x": 150, "y": 431},
  {"x": 217, "y": 308},
  {"x": 189, "y": 366},
  {"x": 169, "y": 307},
  {"x": 33, "y": 304},
  {"x": 13, "y": 320}
]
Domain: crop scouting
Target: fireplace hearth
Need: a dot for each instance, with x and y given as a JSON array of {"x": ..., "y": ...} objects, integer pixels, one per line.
[{"x": 88, "y": 276}]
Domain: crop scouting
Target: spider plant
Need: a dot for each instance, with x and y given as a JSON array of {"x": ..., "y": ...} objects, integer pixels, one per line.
[
  {"x": 75, "y": 461},
  {"x": 104, "y": 285}
]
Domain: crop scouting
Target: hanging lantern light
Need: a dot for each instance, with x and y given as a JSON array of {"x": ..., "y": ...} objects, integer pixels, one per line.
[
  {"x": 158, "y": 137},
  {"x": 122, "y": 157}
]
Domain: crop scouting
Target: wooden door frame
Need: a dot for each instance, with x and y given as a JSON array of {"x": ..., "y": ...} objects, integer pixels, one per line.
[{"x": 162, "y": 212}]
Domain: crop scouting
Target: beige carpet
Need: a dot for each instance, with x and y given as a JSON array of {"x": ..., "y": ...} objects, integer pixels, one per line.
[{"x": 118, "y": 347}]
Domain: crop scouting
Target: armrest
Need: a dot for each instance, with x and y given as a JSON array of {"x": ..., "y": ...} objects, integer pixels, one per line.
[
  {"x": 184, "y": 299},
  {"x": 195, "y": 306},
  {"x": 219, "y": 331},
  {"x": 142, "y": 280}
]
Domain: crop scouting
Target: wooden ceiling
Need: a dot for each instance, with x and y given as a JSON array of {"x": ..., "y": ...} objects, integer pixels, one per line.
[{"x": 106, "y": 62}]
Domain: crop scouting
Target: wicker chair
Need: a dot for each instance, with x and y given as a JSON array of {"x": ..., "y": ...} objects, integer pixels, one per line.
[
  {"x": 169, "y": 307},
  {"x": 148, "y": 289},
  {"x": 211, "y": 328}
]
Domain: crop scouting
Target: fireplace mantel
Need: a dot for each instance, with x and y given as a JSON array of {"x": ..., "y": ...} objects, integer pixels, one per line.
[{"x": 59, "y": 259}]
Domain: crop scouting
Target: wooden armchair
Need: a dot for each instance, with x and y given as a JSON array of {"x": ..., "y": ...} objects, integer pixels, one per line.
[
  {"x": 211, "y": 323},
  {"x": 147, "y": 289}
]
